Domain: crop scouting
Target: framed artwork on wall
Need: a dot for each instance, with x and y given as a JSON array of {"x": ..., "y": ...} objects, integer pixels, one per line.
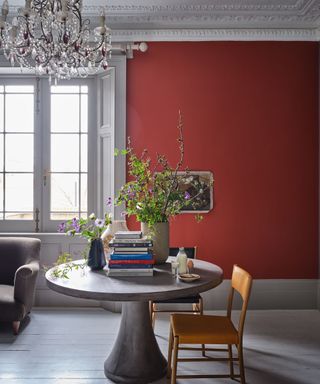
[{"x": 190, "y": 183}]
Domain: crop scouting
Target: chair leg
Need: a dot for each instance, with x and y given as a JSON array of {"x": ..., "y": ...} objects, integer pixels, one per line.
[
  {"x": 201, "y": 313},
  {"x": 230, "y": 361},
  {"x": 241, "y": 364},
  {"x": 153, "y": 315},
  {"x": 15, "y": 327},
  {"x": 170, "y": 353},
  {"x": 175, "y": 360}
]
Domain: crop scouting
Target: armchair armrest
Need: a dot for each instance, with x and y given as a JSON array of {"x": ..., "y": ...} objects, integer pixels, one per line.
[{"x": 24, "y": 283}]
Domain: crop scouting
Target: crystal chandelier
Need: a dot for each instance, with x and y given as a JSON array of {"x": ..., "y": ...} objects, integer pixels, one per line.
[{"x": 52, "y": 38}]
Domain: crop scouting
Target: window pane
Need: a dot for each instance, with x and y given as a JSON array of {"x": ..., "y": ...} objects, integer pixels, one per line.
[
  {"x": 15, "y": 200},
  {"x": 84, "y": 193},
  {"x": 65, "y": 113},
  {"x": 84, "y": 153},
  {"x": 1, "y": 152},
  {"x": 1, "y": 88},
  {"x": 19, "y": 113},
  {"x": 19, "y": 153},
  {"x": 84, "y": 89},
  {"x": 64, "y": 215},
  {"x": 19, "y": 88},
  {"x": 64, "y": 192},
  {"x": 65, "y": 89},
  {"x": 19, "y": 216},
  {"x": 84, "y": 113},
  {"x": 1, "y": 193},
  {"x": 1, "y": 112},
  {"x": 65, "y": 153}
]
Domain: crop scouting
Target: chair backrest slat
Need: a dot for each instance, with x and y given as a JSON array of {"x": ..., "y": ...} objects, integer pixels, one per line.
[{"x": 241, "y": 282}]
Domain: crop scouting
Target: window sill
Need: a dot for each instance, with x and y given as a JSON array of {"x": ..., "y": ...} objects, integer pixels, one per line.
[{"x": 31, "y": 234}]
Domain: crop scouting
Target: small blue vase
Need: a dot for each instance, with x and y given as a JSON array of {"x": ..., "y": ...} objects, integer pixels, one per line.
[{"x": 96, "y": 258}]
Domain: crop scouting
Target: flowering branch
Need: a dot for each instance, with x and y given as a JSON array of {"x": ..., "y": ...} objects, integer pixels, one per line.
[{"x": 156, "y": 191}]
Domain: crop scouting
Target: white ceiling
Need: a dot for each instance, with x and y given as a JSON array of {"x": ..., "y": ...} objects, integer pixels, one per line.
[{"x": 156, "y": 20}]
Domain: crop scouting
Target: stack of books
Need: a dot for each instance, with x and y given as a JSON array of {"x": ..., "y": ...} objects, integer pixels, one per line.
[{"x": 131, "y": 255}]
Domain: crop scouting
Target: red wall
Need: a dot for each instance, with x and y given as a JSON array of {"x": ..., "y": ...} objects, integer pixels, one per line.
[{"x": 251, "y": 117}]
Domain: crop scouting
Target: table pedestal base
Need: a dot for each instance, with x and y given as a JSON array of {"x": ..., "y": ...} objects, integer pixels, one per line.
[{"x": 135, "y": 357}]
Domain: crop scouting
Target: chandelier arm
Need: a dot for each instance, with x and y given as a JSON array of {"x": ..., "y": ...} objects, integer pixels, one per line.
[
  {"x": 44, "y": 37},
  {"x": 30, "y": 30},
  {"x": 82, "y": 23},
  {"x": 77, "y": 14}
]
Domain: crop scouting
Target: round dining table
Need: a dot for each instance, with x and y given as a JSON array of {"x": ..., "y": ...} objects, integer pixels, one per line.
[{"x": 136, "y": 357}]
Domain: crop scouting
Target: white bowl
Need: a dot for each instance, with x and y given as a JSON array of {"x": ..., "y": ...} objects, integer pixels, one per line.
[{"x": 188, "y": 277}]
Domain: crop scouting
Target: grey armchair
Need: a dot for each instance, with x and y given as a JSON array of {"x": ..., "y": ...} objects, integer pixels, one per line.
[{"x": 19, "y": 267}]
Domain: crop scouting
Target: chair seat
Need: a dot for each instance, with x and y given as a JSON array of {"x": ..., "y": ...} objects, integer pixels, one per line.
[
  {"x": 204, "y": 329},
  {"x": 10, "y": 309},
  {"x": 181, "y": 300}
]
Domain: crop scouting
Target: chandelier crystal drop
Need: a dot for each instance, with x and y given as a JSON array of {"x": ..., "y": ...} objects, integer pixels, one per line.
[{"x": 52, "y": 38}]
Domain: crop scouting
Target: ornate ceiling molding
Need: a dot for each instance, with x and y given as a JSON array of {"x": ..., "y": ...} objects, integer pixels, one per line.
[
  {"x": 235, "y": 6},
  {"x": 176, "y": 20},
  {"x": 217, "y": 35}
]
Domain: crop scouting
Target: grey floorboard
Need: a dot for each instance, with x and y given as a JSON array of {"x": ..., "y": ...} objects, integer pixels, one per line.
[{"x": 62, "y": 346}]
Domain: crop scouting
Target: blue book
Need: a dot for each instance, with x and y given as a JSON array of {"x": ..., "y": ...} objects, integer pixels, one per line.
[
  {"x": 131, "y": 266},
  {"x": 134, "y": 256}
]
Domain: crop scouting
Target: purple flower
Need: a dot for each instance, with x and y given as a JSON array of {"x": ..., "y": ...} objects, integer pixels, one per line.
[
  {"x": 75, "y": 222},
  {"x": 109, "y": 202},
  {"x": 187, "y": 195},
  {"x": 62, "y": 227},
  {"x": 123, "y": 214},
  {"x": 99, "y": 223}
]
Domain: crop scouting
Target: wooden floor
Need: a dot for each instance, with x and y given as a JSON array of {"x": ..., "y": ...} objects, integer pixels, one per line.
[{"x": 61, "y": 346}]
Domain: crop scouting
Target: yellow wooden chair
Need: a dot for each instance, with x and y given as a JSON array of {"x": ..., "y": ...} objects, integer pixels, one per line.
[{"x": 206, "y": 329}]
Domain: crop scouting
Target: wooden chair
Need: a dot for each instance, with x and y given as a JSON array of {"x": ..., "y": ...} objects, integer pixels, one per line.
[
  {"x": 206, "y": 329},
  {"x": 196, "y": 300}
]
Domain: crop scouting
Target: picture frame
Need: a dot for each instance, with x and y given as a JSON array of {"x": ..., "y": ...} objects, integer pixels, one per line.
[{"x": 205, "y": 201}]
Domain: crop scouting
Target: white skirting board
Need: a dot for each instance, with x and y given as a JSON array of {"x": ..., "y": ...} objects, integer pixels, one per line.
[{"x": 266, "y": 294}]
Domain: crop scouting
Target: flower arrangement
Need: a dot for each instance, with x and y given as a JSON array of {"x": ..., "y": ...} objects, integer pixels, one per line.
[
  {"x": 90, "y": 228},
  {"x": 154, "y": 193}
]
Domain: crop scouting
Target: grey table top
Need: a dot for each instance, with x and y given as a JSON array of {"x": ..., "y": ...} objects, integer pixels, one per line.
[{"x": 161, "y": 286}]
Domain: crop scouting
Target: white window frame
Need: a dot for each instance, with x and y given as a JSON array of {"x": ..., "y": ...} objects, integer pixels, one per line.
[
  {"x": 25, "y": 225},
  {"x": 106, "y": 173},
  {"x": 49, "y": 225}
]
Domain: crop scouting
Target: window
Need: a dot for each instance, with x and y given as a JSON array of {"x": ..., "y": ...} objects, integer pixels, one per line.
[
  {"x": 44, "y": 153},
  {"x": 57, "y": 147},
  {"x": 17, "y": 152},
  {"x": 69, "y": 167}
]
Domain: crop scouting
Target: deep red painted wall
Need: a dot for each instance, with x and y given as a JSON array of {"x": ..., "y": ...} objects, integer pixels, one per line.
[{"x": 251, "y": 116}]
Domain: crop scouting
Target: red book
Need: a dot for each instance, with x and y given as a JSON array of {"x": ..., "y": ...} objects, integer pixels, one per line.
[{"x": 115, "y": 262}]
